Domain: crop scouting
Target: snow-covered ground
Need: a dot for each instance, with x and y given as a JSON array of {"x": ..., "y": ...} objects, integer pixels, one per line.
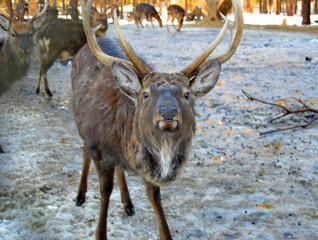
[{"x": 237, "y": 184}]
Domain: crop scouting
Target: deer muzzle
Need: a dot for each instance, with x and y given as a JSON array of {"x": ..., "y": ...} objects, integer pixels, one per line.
[{"x": 167, "y": 117}]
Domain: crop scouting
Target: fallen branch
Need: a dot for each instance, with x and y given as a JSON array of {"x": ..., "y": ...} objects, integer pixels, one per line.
[{"x": 287, "y": 112}]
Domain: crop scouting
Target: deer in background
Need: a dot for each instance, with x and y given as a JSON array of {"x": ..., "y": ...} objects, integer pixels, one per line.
[
  {"x": 175, "y": 12},
  {"x": 133, "y": 118},
  {"x": 148, "y": 12},
  {"x": 73, "y": 12},
  {"x": 134, "y": 16},
  {"x": 15, "y": 50},
  {"x": 51, "y": 12},
  {"x": 62, "y": 40},
  {"x": 22, "y": 8}
]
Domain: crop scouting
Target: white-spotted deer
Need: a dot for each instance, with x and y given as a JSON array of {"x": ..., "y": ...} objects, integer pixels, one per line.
[
  {"x": 15, "y": 50},
  {"x": 132, "y": 118},
  {"x": 61, "y": 40},
  {"x": 175, "y": 12}
]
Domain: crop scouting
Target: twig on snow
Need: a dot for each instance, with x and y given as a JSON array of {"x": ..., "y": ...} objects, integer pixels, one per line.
[{"x": 287, "y": 112}]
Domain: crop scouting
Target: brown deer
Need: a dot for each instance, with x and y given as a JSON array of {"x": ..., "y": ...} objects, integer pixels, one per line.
[
  {"x": 22, "y": 8},
  {"x": 132, "y": 118},
  {"x": 134, "y": 16},
  {"x": 16, "y": 48},
  {"x": 148, "y": 12},
  {"x": 175, "y": 12},
  {"x": 62, "y": 40}
]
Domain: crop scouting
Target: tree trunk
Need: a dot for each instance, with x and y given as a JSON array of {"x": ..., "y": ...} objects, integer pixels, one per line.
[
  {"x": 264, "y": 9},
  {"x": 290, "y": 8},
  {"x": 74, "y": 2},
  {"x": 186, "y": 7},
  {"x": 247, "y": 6},
  {"x": 305, "y": 12},
  {"x": 316, "y": 7},
  {"x": 278, "y": 7},
  {"x": 295, "y": 6}
]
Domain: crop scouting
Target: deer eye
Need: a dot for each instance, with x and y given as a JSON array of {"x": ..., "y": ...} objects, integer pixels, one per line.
[
  {"x": 186, "y": 95},
  {"x": 146, "y": 95},
  {"x": 13, "y": 34}
]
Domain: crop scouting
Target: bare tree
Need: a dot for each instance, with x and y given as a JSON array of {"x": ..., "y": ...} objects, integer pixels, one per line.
[{"x": 305, "y": 12}]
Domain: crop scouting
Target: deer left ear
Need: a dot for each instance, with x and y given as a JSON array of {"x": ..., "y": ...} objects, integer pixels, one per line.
[{"x": 206, "y": 79}]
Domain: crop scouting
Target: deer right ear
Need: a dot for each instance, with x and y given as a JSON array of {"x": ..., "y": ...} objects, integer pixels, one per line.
[
  {"x": 5, "y": 22},
  {"x": 126, "y": 80},
  {"x": 38, "y": 22}
]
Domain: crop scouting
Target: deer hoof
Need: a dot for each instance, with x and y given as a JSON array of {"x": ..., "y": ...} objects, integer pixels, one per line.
[
  {"x": 49, "y": 93},
  {"x": 130, "y": 211},
  {"x": 80, "y": 199}
]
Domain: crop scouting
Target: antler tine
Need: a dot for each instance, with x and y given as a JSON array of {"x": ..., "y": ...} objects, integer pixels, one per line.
[
  {"x": 140, "y": 66},
  {"x": 91, "y": 38},
  {"x": 39, "y": 13},
  {"x": 236, "y": 29}
]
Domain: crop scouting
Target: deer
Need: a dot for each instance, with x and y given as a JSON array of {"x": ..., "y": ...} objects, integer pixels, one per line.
[
  {"x": 148, "y": 12},
  {"x": 196, "y": 14},
  {"x": 15, "y": 50},
  {"x": 134, "y": 16},
  {"x": 22, "y": 8},
  {"x": 175, "y": 12},
  {"x": 132, "y": 118},
  {"x": 73, "y": 12},
  {"x": 51, "y": 12},
  {"x": 62, "y": 40}
]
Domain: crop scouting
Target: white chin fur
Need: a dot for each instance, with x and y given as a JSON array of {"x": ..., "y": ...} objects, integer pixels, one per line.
[{"x": 167, "y": 125}]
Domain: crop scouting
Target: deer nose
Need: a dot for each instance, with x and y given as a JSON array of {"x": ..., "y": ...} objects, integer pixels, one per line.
[
  {"x": 168, "y": 112},
  {"x": 24, "y": 46}
]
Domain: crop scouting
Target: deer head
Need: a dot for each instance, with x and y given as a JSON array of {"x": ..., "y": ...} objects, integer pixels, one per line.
[{"x": 20, "y": 33}]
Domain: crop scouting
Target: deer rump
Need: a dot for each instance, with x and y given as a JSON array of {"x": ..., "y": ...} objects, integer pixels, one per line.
[{"x": 107, "y": 121}]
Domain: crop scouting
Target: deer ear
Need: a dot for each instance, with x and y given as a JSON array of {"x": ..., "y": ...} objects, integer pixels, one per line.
[
  {"x": 5, "y": 22},
  {"x": 126, "y": 79},
  {"x": 205, "y": 80},
  {"x": 38, "y": 22}
]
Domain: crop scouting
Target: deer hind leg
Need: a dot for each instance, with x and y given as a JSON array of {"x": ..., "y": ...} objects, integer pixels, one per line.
[
  {"x": 124, "y": 192},
  {"x": 173, "y": 24},
  {"x": 82, "y": 189},
  {"x": 153, "y": 193},
  {"x": 106, "y": 182},
  {"x": 180, "y": 21}
]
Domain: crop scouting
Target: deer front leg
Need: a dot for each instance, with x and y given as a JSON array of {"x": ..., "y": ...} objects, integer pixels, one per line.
[
  {"x": 153, "y": 193},
  {"x": 39, "y": 82},
  {"x": 46, "y": 85},
  {"x": 124, "y": 192},
  {"x": 106, "y": 182},
  {"x": 82, "y": 189}
]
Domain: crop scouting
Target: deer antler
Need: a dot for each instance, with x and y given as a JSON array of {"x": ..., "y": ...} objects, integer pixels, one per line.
[
  {"x": 39, "y": 13},
  {"x": 236, "y": 29},
  {"x": 6, "y": 14},
  {"x": 101, "y": 56}
]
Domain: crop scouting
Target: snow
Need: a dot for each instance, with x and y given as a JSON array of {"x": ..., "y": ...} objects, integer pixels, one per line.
[{"x": 237, "y": 183}]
